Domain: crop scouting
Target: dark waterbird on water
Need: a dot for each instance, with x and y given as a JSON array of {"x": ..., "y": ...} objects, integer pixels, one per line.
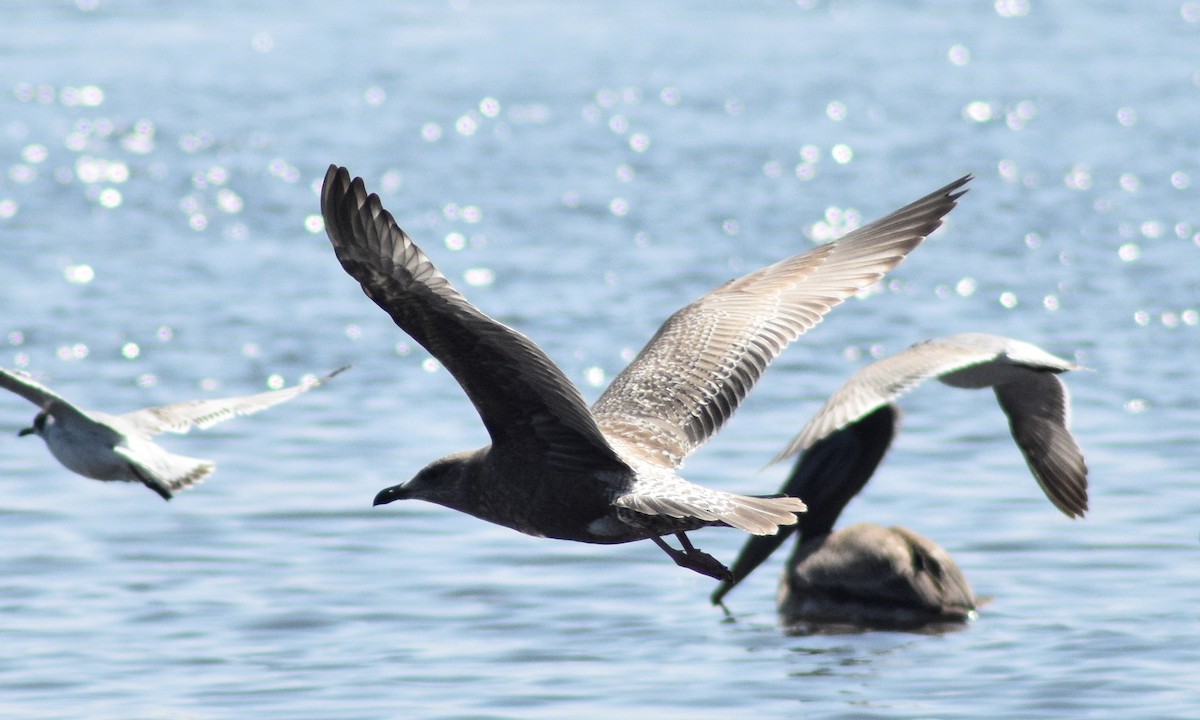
[
  {"x": 871, "y": 576},
  {"x": 558, "y": 469}
]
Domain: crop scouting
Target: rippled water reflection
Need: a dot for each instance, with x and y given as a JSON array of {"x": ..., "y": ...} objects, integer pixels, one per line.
[{"x": 582, "y": 171}]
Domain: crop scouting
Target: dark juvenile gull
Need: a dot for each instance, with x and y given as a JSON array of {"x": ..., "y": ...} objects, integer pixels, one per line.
[
  {"x": 870, "y": 576},
  {"x": 556, "y": 468},
  {"x": 100, "y": 446}
]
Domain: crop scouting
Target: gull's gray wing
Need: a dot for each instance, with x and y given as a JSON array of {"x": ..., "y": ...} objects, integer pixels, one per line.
[
  {"x": 966, "y": 360},
  {"x": 1039, "y": 410},
  {"x": 1024, "y": 377},
  {"x": 883, "y": 381},
  {"x": 38, "y": 394},
  {"x": 28, "y": 388},
  {"x": 705, "y": 358},
  {"x": 180, "y": 417},
  {"x": 522, "y": 397}
]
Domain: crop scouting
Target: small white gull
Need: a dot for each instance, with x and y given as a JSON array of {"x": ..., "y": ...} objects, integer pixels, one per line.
[{"x": 100, "y": 446}]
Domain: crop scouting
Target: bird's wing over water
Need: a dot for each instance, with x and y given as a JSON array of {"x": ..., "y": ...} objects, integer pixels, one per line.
[
  {"x": 38, "y": 394},
  {"x": 522, "y": 397},
  {"x": 1026, "y": 382},
  {"x": 180, "y": 417},
  {"x": 704, "y": 360},
  {"x": 883, "y": 381},
  {"x": 1038, "y": 409}
]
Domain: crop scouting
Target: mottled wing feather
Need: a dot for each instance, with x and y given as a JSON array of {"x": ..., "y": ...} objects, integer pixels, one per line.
[
  {"x": 703, "y": 361},
  {"x": 1038, "y": 410},
  {"x": 684, "y": 500},
  {"x": 181, "y": 417},
  {"x": 522, "y": 397},
  {"x": 881, "y": 383}
]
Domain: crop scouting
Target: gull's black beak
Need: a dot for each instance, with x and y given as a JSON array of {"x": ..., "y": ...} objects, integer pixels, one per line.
[
  {"x": 26, "y": 431},
  {"x": 387, "y": 495}
]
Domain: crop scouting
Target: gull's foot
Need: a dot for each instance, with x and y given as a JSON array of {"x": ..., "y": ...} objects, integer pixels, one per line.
[{"x": 694, "y": 559}]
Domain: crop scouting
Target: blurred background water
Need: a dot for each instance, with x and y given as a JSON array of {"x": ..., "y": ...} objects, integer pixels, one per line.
[{"x": 580, "y": 170}]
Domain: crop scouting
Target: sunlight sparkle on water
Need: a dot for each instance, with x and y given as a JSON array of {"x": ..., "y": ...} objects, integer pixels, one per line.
[
  {"x": 79, "y": 274},
  {"x": 109, "y": 198},
  {"x": 489, "y": 107},
  {"x": 978, "y": 111},
  {"x": 374, "y": 96},
  {"x": 594, "y": 376},
  {"x": 1012, "y": 8},
  {"x": 78, "y": 351},
  {"x": 479, "y": 277},
  {"x": 431, "y": 132}
]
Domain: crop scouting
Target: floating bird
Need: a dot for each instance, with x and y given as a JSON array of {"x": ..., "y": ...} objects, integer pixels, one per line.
[
  {"x": 556, "y": 468},
  {"x": 871, "y": 576},
  {"x": 118, "y": 447}
]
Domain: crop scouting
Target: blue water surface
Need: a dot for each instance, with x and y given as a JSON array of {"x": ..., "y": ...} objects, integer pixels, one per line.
[{"x": 580, "y": 170}]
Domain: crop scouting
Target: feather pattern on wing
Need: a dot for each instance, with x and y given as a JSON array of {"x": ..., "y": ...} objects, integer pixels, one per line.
[
  {"x": 181, "y": 417},
  {"x": 691, "y": 376}
]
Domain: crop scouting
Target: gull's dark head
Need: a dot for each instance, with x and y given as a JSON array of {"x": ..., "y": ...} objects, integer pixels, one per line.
[
  {"x": 39, "y": 425},
  {"x": 442, "y": 482}
]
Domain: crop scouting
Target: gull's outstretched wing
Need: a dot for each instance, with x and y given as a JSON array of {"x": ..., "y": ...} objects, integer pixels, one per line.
[
  {"x": 28, "y": 388},
  {"x": 1024, "y": 377},
  {"x": 691, "y": 376},
  {"x": 1039, "y": 410},
  {"x": 40, "y": 395},
  {"x": 180, "y": 417},
  {"x": 522, "y": 397}
]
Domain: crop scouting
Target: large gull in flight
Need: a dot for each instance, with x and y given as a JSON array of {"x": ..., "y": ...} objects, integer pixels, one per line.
[{"x": 556, "y": 468}]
